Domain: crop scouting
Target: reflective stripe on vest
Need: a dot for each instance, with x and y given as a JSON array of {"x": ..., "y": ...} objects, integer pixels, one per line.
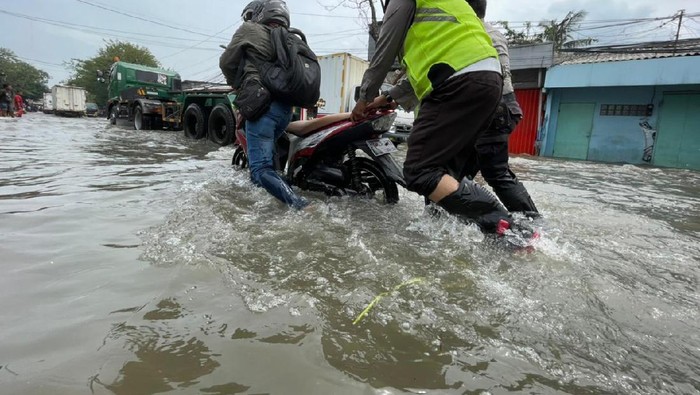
[{"x": 446, "y": 36}]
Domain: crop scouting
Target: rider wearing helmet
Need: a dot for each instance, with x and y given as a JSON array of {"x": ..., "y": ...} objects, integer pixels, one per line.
[
  {"x": 453, "y": 70},
  {"x": 249, "y": 46}
]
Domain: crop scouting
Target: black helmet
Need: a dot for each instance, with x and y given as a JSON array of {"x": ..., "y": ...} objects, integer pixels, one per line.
[
  {"x": 269, "y": 11},
  {"x": 479, "y": 7},
  {"x": 252, "y": 9}
]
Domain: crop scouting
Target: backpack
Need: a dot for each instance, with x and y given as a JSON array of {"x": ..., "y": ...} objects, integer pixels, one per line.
[{"x": 294, "y": 75}]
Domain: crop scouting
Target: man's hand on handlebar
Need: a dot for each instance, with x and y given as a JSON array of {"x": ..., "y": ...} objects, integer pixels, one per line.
[
  {"x": 362, "y": 108},
  {"x": 381, "y": 102}
]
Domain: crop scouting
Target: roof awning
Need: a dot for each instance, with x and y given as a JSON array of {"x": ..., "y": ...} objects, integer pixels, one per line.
[{"x": 647, "y": 72}]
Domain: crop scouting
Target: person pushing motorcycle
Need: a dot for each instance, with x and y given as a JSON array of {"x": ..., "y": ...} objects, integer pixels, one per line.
[
  {"x": 250, "y": 44},
  {"x": 453, "y": 70}
]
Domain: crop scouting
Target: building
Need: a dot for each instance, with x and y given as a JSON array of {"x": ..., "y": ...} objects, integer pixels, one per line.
[
  {"x": 528, "y": 65},
  {"x": 626, "y": 104}
]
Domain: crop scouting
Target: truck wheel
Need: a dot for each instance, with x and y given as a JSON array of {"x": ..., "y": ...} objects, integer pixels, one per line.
[
  {"x": 222, "y": 127},
  {"x": 193, "y": 122},
  {"x": 113, "y": 115},
  {"x": 140, "y": 120}
]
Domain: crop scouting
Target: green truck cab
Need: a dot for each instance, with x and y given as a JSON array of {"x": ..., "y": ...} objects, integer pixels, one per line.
[
  {"x": 146, "y": 96},
  {"x": 153, "y": 98}
]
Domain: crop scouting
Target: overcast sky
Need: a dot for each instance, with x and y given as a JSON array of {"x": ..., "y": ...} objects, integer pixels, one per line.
[{"x": 184, "y": 34}]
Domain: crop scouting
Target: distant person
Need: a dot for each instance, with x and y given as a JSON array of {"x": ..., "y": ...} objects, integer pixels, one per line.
[
  {"x": 492, "y": 145},
  {"x": 6, "y": 99},
  {"x": 268, "y": 119},
  {"x": 19, "y": 104}
]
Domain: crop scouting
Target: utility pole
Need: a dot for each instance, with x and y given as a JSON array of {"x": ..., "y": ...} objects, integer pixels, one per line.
[{"x": 678, "y": 31}]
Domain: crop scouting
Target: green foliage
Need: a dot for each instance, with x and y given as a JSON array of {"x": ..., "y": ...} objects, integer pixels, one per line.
[
  {"x": 85, "y": 70},
  {"x": 559, "y": 33},
  {"x": 522, "y": 37},
  {"x": 23, "y": 77}
]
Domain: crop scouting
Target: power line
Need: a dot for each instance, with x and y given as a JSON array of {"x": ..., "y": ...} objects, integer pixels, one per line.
[
  {"x": 201, "y": 42},
  {"x": 141, "y": 18},
  {"x": 90, "y": 30},
  {"x": 53, "y": 21}
]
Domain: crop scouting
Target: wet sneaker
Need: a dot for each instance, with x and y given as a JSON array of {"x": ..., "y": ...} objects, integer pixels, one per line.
[{"x": 517, "y": 235}]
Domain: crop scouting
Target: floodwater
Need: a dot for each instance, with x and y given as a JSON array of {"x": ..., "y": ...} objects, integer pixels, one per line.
[{"x": 143, "y": 263}]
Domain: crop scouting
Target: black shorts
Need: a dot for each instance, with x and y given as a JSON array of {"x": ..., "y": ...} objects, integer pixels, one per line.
[{"x": 449, "y": 121}]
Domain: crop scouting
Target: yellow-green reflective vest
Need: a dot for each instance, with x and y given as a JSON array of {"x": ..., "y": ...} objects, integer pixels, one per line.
[{"x": 444, "y": 32}]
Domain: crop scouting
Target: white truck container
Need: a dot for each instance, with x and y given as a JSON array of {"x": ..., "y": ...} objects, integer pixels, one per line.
[
  {"x": 48, "y": 103},
  {"x": 341, "y": 75},
  {"x": 68, "y": 100}
]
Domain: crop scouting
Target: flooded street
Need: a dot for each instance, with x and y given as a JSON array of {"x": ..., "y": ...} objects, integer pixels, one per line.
[{"x": 141, "y": 262}]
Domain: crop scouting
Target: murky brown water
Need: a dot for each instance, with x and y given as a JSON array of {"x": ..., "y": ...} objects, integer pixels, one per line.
[{"x": 142, "y": 263}]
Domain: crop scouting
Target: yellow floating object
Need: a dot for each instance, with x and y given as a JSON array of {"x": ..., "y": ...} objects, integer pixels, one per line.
[{"x": 381, "y": 295}]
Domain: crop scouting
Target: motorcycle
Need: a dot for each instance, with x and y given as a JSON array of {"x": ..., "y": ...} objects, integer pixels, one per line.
[{"x": 330, "y": 159}]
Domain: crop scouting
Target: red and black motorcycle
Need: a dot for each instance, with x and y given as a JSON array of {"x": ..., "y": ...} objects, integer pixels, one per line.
[{"x": 343, "y": 158}]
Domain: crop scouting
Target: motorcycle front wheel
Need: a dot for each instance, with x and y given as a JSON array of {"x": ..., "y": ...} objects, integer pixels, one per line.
[
  {"x": 372, "y": 180},
  {"x": 240, "y": 159}
]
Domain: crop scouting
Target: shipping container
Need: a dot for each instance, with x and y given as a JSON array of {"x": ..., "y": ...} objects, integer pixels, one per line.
[
  {"x": 341, "y": 75},
  {"x": 68, "y": 100}
]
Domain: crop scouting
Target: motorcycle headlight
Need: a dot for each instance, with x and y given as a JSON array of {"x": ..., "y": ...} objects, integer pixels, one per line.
[{"x": 384, "y": 123}]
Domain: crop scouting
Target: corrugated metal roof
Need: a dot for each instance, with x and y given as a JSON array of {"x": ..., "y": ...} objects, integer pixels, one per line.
[{"x": 618, "y": 53}]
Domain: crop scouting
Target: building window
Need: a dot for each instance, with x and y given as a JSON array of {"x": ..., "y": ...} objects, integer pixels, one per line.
[{"x": 625, "y": 110}]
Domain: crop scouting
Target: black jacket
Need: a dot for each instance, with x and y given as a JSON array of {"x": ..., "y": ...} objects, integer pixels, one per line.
[{"x": 251, "y": 43}]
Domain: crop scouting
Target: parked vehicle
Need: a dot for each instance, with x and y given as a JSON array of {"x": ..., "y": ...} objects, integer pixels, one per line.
[
  {"x": 326, "y": 160},
  {"x": 152, "y": 98},
  {"x": 143, "y": 95},
  {"x": 401, "y": 129},
  {"x": 341, "y": 76},
  {"x": 91, "y": 109},
  {"x": 68, "y": 101},
  {"x": 47, "y": 103}
]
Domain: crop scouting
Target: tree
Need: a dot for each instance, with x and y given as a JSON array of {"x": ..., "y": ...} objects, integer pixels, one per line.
[
  {"x": 560, "y": 33},
  {"x": 523, "y": 37},
  {"x": 85, "y": 71},
  {"x": 23, "y": 77}
]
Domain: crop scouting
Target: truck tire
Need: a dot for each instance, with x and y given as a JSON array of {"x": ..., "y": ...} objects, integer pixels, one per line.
[
  {"x": 193, "y": 122},
  {"x": 140, "y": 120},
  {"x": 222, "y": 126}
]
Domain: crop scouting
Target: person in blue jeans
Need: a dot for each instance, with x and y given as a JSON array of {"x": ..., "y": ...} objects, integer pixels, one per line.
[
  {"x": 262, "y": 135},
  {"x": 250, "y": 45}
]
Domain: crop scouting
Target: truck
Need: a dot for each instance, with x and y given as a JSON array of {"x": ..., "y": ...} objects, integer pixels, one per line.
[
  {"x": 341, "y": 77},
  {"x": 153, "y": 98},
  {"x": 68, "y": 101},
  {"x": 143, "y": 95},
  {"x": 47, "y": 103}
]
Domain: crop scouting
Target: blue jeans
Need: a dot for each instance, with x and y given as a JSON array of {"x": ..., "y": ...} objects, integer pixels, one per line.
[{"x": 262, "y": 135}]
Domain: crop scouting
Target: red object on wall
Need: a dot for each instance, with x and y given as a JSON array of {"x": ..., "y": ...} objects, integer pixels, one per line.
[{"x": 522, "y": 140}]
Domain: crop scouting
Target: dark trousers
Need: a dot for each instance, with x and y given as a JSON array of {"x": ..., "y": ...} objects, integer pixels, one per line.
[
  {"x": 492, "y": 160},
  {"x": 449, "y": 121}
]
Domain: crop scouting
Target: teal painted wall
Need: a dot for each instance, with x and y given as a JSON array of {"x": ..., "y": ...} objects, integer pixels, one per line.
[{"x": 617, "y": 139}]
